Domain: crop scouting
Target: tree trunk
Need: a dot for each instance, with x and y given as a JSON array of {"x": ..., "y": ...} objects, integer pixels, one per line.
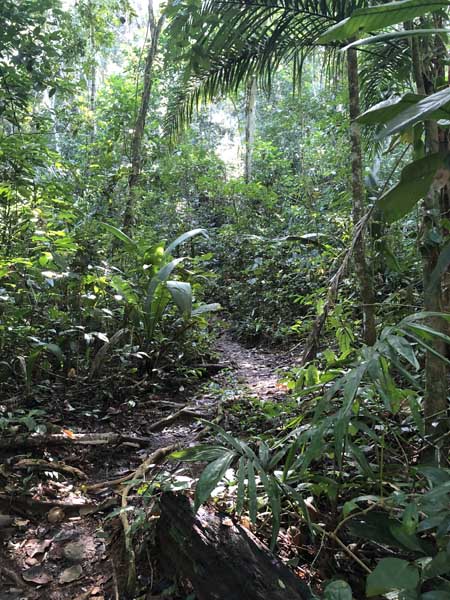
[
  {"x": 361, "y": 267},
  {"x": 222, "y": 561},
  {"x": 435, "y": 398},
  {"x": 154, "y": 28},
  {"x": 250, "y": 121}
]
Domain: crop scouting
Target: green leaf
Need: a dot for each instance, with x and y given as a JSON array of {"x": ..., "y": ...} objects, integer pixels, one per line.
[
  {"x": 427, "y": 108},
  {"x": 388, "y": 109},
  {"x": 435, "y": 595},
  {"x": 252, "y": 496},
  {"x": 120, "y": 235},
  {"x": 160, "y": 277},
  {"x": 202, "y": 452},
  {"x": 241, "y": 485},
  {"x": 181, "y": 293},
  {"x": 394, "y": 35},
  {"x": 338, "y": 590},
  {"x": 273, "y": 494},
  {"x": 183, "y": 238},
  {"x": 415, "y": 182},
  {"x": 365, "y": 20},
  {"x": 206, "y": 308},
  {"x": 441, "y": 267},
  {"x": 440, "y": 565},
  {"x": 211, "y": 476},
  {"x": 404, "y": 349},
  {"x": 55, "y": 350},
  {"x": 391, "y": 574}
]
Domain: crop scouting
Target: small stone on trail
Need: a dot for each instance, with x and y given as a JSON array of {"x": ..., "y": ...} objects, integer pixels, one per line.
[
  {"x": 74, "y": 551},
  {"x": 56, "y": 515},
  {"x": 71, "y": 574},
  {"x": 37, "y": 575}
]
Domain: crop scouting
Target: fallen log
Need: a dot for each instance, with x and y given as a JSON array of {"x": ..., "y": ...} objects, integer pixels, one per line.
[
  {"x": 222, "y": 562},
  {"x": 36, "y": 440}
]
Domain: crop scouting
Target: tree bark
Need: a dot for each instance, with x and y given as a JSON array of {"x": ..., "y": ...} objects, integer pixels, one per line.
[
  {"x": 435, "y": 399},
  {"x": 221, "y": 561},
  {"x": 154, "y": 28},
  {"x": 250, "y": 122},
  {"x": 361, "y": 266}
]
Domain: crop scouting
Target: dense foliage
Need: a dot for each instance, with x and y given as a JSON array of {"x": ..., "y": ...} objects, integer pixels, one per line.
[{"x": 161, "y": 181}]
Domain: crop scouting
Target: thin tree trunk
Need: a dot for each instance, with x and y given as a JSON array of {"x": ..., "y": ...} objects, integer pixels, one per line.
[
  {"x": 435, "y": 398},
  {"x": 361, "y": 267},
  {"x": 154, "y": 27},
  {"x": 250, "y": 122}
]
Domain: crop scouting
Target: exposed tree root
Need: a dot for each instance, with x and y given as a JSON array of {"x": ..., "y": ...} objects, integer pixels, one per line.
[
  {"x": 35, "y": 440},
  {"x": 36, "y": 464},
  {"x": 25, "y": 505},
  {"x": 186, "y": 411}
]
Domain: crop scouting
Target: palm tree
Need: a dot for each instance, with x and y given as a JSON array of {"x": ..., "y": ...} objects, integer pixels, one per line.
[{"x": 238, "y": 41}]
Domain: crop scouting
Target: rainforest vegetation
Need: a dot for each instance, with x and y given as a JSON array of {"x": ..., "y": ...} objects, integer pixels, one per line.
[{"x": 224, "y": 299}]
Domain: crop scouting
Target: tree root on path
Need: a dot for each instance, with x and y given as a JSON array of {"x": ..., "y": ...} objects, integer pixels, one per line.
[
  {"x": 186, "y": 411},
  {"x": 35, "y": 440},
  {"x": 27, "y": 506},
  {"x": 36, "y": 464},
  {"x": 13, "y": 576}
]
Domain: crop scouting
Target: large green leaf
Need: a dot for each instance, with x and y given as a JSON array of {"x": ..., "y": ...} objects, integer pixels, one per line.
[
  {"x": 186, "y": 236},
  {"x": 211, "y": 476},
  {"x": 388, "y": 109},
  {"x": 415, "y": 182},
  {"x": 441, "y": 267},
  {"x": 200, "y": 453},
  {"x": 181, "y": 293},
  {"x": 160, "y": 277},
  {"x": 394, "y": 35},
  {"x": 391, "y": 574},
  {"x": 120, "y": 235},
  {"x": 436, "y": 106},
  {"x": 374, "y": 18},
  {"x": 338, "y": 590}
]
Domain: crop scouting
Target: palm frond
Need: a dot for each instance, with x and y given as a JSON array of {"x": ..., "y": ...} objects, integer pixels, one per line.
[{"x": 246, "y": 40}]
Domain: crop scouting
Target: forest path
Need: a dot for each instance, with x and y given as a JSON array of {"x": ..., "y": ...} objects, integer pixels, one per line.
[{"x": 57, "y": 540}]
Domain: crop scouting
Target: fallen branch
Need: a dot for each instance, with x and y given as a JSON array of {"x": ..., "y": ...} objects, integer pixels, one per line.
[
  {"x": 35, "y": 464},
  {"x": 35, "y": 440},
  {"x": 183, "y": 412},
  {"x": 26, "y": 506}
]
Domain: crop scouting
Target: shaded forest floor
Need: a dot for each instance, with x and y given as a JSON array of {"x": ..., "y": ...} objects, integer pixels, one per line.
[{"x": 60, "y": 533}]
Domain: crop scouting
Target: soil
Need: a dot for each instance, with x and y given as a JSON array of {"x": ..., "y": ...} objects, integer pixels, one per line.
[{"x": 73, "y": 551}]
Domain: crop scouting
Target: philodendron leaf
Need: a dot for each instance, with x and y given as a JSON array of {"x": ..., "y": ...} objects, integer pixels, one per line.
[
  {"x": 386, "y": 110},
  {"x": 338, "y": 590},
  {"x": 391, "y": 574},
  {"x": 374, "y": 18},
  {"x": 181, "y": 293},
  {"x": 211, "y": 476},
  {"x": 415, "y": 182},
  {"x": 427, "y": 108}
]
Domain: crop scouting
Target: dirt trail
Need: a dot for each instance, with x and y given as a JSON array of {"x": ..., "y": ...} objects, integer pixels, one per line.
[{"x": 67, "y": 553}]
